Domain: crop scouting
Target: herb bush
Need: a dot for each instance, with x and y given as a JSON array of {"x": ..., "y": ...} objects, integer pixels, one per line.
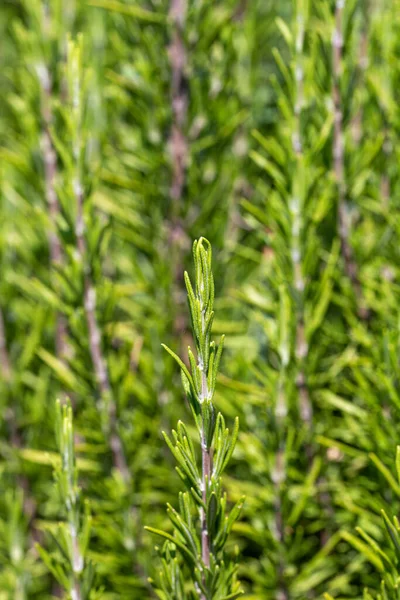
[{"x": 127, "y": 130}]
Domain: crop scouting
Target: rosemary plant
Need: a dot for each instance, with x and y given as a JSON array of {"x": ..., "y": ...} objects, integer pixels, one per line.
[
  {"x": 70, "y": 566},
  {"x": 201, "y": 525}
]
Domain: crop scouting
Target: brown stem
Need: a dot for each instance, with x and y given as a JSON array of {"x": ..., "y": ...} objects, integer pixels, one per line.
[
  {"x": 99, "y": 363},
  {"x": 179, "y": 152},
  {"x": 50, "y": 173},
  {"x": 5, "y": 364},
  {"x": 301, "y": 345},
  {"x": 356, "y": 124},
  {"x": 179, "y": 99},
  {"x": 357, "y": 120},
  {"x": 278, "y": 478},
  {"x": 385, "y": 181}
]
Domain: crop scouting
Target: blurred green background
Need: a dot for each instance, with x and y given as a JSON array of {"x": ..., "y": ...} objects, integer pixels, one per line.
[{"x": 271, "y": 128}]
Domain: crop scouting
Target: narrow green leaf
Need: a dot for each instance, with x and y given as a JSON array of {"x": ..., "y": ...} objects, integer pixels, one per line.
[{"x": 186, "y": 553}]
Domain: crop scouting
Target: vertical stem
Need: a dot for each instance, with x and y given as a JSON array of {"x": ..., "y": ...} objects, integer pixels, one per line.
[
  {"x": 388, "y": 13},
  {"x": 76, "y": 591},
  {"x": 206, "y": 473},
  {"x": 278, "y": 478},
  {"x": 357, "y": 120},
  {"x": 179, "y": 150},
  {"x": 206, "y": 463},
  {"x": 5, "y": 364},
  {"x": 71, "y": 497},
  {"x": 178, "y": 142},
  {"x": 99, "y": 363},
  {"x": 301, "y": 345},
  {"x": 338, "y": 150},
  {"x": 385, "y": 181},
  {"x": 299, "y": 79},
  {"x": 50, "y": 171},
  {"x": 77, "y": 565},
  {"x": 107, "y": 402}
]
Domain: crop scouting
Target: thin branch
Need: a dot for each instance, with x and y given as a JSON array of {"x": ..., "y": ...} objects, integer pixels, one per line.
[
  {"x": 50, "y": 172},
  {"x": 301, "y": 345},
  {"x": 356, "y": 125},
  {"x": 178, "y": 142},
  {"x": 206, "y": 463},
  {"x": 77, "y": 564},
  {"x": 179, "y": 151},
  {"x": 98, "y": 360},
  {"x": 5, "y": 363},
  {"x": 278, "y": 479},
  {"x": 206, "y": 473},
  {"x": 385, "y": 181}
]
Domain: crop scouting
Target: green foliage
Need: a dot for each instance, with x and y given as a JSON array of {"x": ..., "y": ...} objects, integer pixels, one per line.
[
  {"x": 127, "y": 129},
  {"x": 202, "y": 525}
]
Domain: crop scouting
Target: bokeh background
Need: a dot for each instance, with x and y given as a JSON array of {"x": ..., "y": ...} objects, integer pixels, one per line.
[{"x": 271, "y": 128}]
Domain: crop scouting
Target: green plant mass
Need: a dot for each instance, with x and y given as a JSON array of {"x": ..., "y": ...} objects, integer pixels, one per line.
[
  {"x": 128, "y": 129},
  {"x": 202, "y": 524}
]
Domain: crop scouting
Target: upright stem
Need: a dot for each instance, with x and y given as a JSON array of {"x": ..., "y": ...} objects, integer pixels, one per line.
[
  {"x": 99, "y": 363},
  {"x": 70, "y": 490},
  {"x": 206, "y": 463},
  {"x": 299, "y": 79},
  {"x": 178, "y": 147},
  {"x": 76, "y": 591},
  {"x": 50, "y": 173},
  {"x": 338, "y": 155},
  {"x": 301, "y": 345},
  {"x": 338, "y": 150},
  {"x": 206, "y": 474},
  {"x": 387, "y": 12},
  {"x": 107, "y": 404},
  {"x": 357, "y": 121},
  {"x": 50, "y": 169},
  {"x": 385, "y": 181},
  {"x": 5, "y": 363},
  {"x": 178, "y": 142},
  {"x": 77, "y": 565},
  {"x": 278, "y": 478}
]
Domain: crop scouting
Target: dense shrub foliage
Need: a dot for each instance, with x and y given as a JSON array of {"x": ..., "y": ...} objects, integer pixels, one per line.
[{"x": 128, "y": 129}]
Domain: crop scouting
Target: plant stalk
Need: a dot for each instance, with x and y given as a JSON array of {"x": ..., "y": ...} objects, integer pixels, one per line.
[
  {"x": 178, "y": 142},
  {"x": 50, "y": 173},
  {"x": 301, "y": 345},
  {"x": 4, "y": 357},
  {"x": 278, "y": 477},
  {"x": 206, "y": 474},
  {"x": 206, "y": 463},
  {"x": 179, "y": 152},
  {"x": 98, "y": 360}
]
